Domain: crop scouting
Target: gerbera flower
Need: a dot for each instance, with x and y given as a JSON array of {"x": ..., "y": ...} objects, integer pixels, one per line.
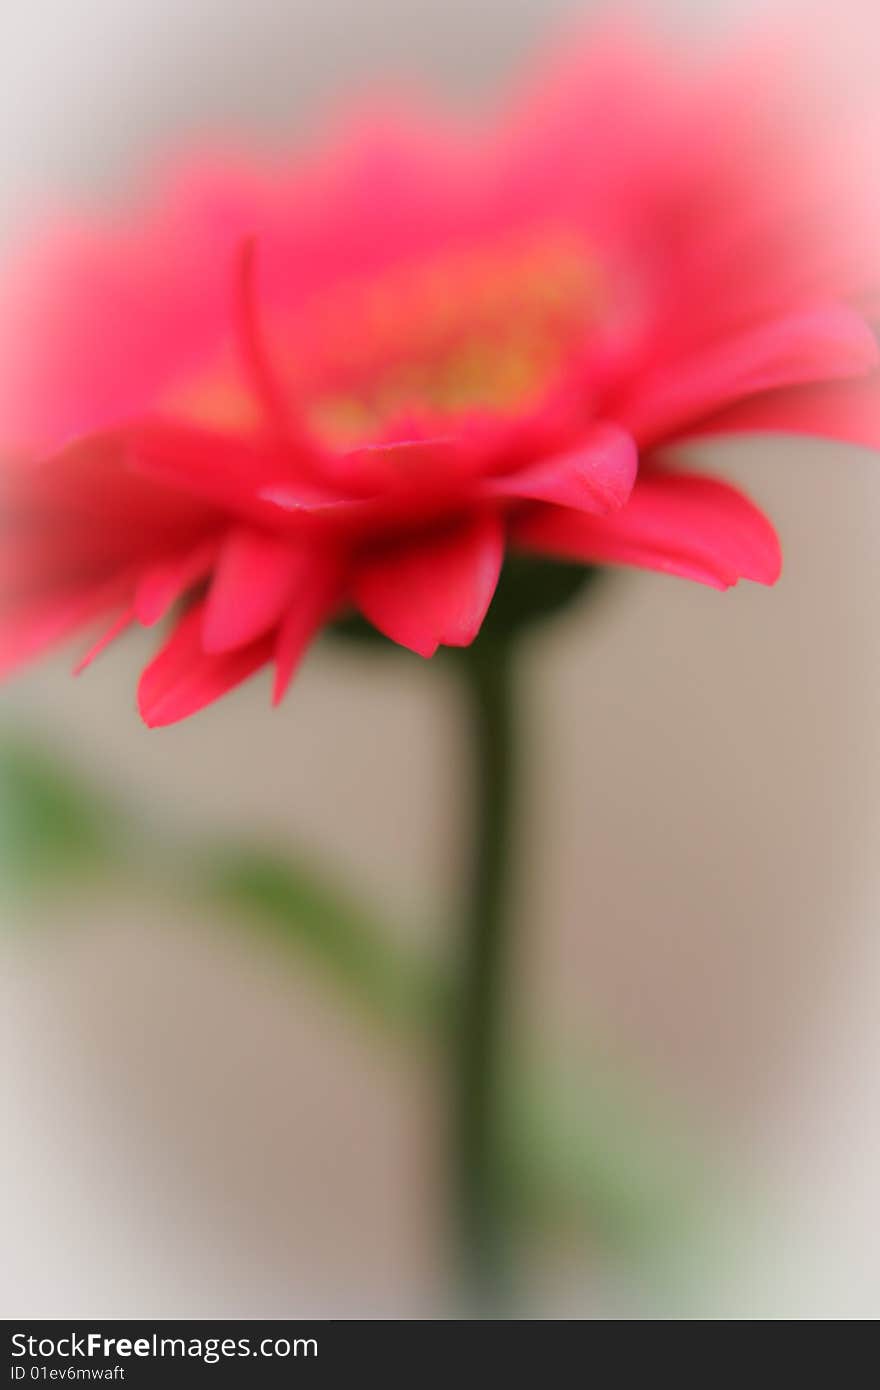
[{"x": 360, "y": 379}]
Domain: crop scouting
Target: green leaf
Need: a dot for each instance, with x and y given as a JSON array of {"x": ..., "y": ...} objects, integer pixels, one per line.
[
  {"x": 51, "y": 823},
  {"x": 396, "y": 987},
  {"x": 587, "y": 1148}
]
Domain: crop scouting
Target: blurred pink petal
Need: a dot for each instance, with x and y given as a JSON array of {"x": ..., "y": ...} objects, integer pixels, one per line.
[
  {"x": 161, "y": 585},
  {"x": 38, "y": 624},
  {"x": 255, "y": 579},
  {"x": 598, "y": 476},
  {"x": 847, "y": 411},
  {"x": 814, "y": 345},
  {"x": 183, "y": 678},
  {"x": 678, "y": 523},
  {"x": 433, "y": 590},
  {"x": 116, "y": 628},
  {"x": 317, "y": 597}
]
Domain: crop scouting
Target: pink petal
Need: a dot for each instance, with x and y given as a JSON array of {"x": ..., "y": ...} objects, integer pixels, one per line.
[
  {"x": 678, "y": 523},
  {"x": 97, "y": 324},
  {"x": 124, "y": 620},
  {"x": 86, "y": 494},
  {"x": 28, "y": 630},
  {"x": 253, "y": 479},
  {"x": 163, "y": 584},
  {"x": 251, "y": 340},
  {"x": 810, "y": 346},
  {"x": 436, "y": 590},
  {"x": 254, "y": 579},
  {"x": 184, "y": 678},
  {"x": 317, "y": 595},
  {"x": 596, "y": 477},
  {"x": 845, "y": 410},
  {"x": 347, "y": 483},
  {"x": 205, "y": 463}
]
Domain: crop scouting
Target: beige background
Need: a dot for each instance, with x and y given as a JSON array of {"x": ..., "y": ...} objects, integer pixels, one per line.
[{"x": 192, "y": 1128}]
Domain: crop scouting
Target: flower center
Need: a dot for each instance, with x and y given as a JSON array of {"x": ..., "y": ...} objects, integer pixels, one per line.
[
  {"x": 478, "y": 331},
  {"x": 486, "y": 330}
]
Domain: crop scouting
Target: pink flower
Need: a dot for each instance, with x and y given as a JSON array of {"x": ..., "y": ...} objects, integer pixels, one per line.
[{"x": 361, "y": 378}]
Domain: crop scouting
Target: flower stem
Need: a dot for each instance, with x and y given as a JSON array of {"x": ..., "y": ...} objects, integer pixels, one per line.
[{"x": 481, "y": 1194}]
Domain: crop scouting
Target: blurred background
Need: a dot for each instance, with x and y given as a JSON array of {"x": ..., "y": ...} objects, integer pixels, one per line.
[{"x": 198, "y": 1120}]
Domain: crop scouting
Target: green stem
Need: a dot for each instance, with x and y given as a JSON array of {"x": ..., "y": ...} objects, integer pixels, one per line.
[{"x": 483, "y": 1224}]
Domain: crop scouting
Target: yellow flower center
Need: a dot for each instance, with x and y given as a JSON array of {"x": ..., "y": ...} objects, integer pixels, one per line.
[{"x": 476, "y": 330}]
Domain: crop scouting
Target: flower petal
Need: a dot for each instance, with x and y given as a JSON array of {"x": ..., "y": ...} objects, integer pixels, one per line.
[
  {"x": 812, "y": 345},
  {"x": 253, "y": 478},
  {"x": 598, "y": 476},
  {"x": 162, "y": 584},
  {"x": 124, "y": 620},
  {"x": 434, "y": 590},
  {"x": 29, "y": 629},
  {"x": 254, "y": 578},
  {"x": 845, "y": 410},
  {"x": 317, "y": 594},
  {"x": 96, "y": 325},
  {"x": 88, "y": 498},
  {"x": 184, "y": 678},
  {"x": 678, "y": 523},
  {"x": 215, "y": 467}
]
